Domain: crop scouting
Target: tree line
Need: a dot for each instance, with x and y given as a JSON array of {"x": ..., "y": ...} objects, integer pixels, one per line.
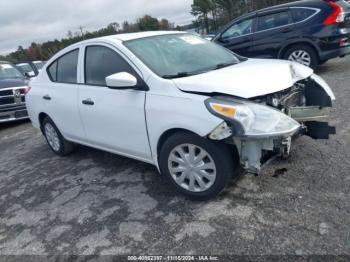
[
  {"x": 46, "y": 50},
  {"x": 213, "y": 14},
  {"x": 209, "y": 16}
]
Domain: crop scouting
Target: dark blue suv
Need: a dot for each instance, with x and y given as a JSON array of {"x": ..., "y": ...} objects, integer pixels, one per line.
[{"x": 309, "y": 32}]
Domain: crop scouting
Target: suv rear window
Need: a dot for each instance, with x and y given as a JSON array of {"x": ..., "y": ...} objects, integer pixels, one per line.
[
  {"x": 273, "y": 20},
  {"x": 300, "y": 14}
]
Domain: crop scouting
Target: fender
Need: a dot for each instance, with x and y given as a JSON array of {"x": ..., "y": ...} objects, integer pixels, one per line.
[{"x": 295, "y": 42}]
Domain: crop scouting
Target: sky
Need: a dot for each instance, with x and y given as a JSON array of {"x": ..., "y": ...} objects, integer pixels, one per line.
[{"x": 25, "y": 21}]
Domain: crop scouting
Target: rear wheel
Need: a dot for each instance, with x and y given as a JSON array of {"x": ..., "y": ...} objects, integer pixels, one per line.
[
  {"x": 302, "y": 54},
  {"x": 54, "y": 138},
  {"x": 195, "y": 166}
]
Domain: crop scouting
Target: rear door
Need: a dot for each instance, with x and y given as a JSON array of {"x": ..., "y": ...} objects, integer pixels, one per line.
[
  {"x": 61, "y": 95},
  {"x": 272, "y": 30},
  {"x": 239, "y": 36}
]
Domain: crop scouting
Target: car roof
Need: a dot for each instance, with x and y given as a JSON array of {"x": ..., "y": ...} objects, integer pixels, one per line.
[
  {"x": 301, "y": 3},
  {"x": 132, "y": 36}
]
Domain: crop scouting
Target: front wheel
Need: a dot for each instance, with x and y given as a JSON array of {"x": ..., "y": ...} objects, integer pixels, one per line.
[
  {"x": 302, "y": 54},
  {"x": 195, "y": 166}
]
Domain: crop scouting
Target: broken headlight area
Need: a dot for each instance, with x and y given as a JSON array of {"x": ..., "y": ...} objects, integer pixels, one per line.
[
  {"x": 308, "y": 101},
  {"x": 259, "y": 132},
  {"x": 262, "y": 128},
  {"x": 250, "y": 120}
]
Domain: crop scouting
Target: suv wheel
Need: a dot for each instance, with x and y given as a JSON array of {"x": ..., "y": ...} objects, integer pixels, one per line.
[
  {"x": 302, "y": 54},
  {"x": 54, "y": 138},
  {"x": 195, "y": 166}
]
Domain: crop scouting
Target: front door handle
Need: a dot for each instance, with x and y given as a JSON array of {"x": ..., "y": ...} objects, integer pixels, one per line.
[
  {"x": 88, "y": 102},
  {"x": 47, "y": 97}
]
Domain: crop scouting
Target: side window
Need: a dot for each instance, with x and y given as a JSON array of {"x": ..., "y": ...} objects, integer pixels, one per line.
[
  {"x": 301, "y": 14},
  {"x": 67, "y": 67},
  {"x": 273, "y": 20},
  {"x": 52, "y": 71},
  {"x": 239, "y": 29},
  {"x": 100, "y": 62},
  {"x": 64, "y": 69}
]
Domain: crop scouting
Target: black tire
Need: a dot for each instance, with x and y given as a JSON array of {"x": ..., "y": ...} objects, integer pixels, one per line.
[
  {"x": 314, "y": 60},
  {"x": 221, "y": 154},
  {"x": 323, "y": 62},
  {"x": 65, "y": 147}
]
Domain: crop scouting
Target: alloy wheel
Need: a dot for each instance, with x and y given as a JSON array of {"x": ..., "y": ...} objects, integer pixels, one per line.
[
  {"x": 301, "y": 57},
  {"x": 192, "y": 167}
]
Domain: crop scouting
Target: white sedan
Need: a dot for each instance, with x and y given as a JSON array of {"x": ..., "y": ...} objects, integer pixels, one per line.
[{"x": 184, "y": 104}]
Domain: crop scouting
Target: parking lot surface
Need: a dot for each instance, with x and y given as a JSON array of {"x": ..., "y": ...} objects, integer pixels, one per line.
[{"x": 93, "y": 202}]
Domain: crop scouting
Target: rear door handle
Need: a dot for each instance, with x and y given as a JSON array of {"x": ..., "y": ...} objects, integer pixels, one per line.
[
  {"x": 47, "y": 97},
  {"x": 88, "y": 102}
]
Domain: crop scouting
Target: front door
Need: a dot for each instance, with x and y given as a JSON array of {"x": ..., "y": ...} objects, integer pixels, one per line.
[{"x": 114, "y": 119}]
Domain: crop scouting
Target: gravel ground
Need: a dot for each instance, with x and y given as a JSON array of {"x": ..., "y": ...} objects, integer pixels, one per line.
[{"x": 94, "y": 202}]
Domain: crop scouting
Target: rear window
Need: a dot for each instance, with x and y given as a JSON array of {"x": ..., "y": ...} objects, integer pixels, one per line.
[
  {"x": 272, "y": 21},
  {"x": 64, "y": 69},
  {"x": 301, "y": 14},
  {"x": 52, "y": 71}
]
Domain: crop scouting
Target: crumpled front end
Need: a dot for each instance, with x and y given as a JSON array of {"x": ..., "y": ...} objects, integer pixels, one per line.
[{"x": 262, "y": 128}]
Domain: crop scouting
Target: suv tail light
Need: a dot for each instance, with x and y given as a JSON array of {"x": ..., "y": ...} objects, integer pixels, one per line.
[{"x": 337, "y": 16}]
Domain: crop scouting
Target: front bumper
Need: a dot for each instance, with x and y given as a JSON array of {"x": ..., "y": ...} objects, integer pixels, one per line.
[
  {"x": 256, "y": 151},
  {"x": 13, "y": 113}
]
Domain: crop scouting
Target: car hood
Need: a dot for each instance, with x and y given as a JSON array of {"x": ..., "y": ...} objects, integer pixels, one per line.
[
  {"x": 251, "y": 78},
  {"x": 6, "y": 83}
]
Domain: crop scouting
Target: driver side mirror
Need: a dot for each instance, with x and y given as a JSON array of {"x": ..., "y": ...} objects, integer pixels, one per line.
[
  {"x": 222, "y": 40},
  {"x": 121, "y": 80}
]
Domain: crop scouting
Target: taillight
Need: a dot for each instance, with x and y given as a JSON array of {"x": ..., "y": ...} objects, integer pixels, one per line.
[
  {"x": 26, "y": 90},
  {"x": 337, "y": 16}
]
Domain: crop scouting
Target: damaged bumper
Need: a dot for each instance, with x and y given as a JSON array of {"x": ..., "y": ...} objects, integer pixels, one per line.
[{"x": 256, "y": 150}]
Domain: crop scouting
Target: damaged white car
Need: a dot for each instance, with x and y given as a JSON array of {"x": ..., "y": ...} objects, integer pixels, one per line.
[{"x": 184, "y": 104}]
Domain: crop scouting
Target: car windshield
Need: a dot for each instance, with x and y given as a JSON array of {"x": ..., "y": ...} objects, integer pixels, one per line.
[
  {"x": 180, "y": 55},
  {"x": 25, "y": 67},
  {"x": 8, "y": 71}
]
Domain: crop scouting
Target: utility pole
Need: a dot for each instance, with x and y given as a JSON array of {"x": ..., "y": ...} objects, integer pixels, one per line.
[{"x": 81, "y": 30}]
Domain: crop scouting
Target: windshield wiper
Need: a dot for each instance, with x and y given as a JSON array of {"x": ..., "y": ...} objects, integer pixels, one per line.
[
  {"x": 178, "y": 75},
  {"x": 184, "y": 74},
  {"x": 223, "y": 65}
]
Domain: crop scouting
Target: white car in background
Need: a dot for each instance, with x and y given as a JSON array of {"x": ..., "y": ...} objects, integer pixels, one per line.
[
  {"x": 182, "y": 103},
  {"x": 39, "y": 64}
]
